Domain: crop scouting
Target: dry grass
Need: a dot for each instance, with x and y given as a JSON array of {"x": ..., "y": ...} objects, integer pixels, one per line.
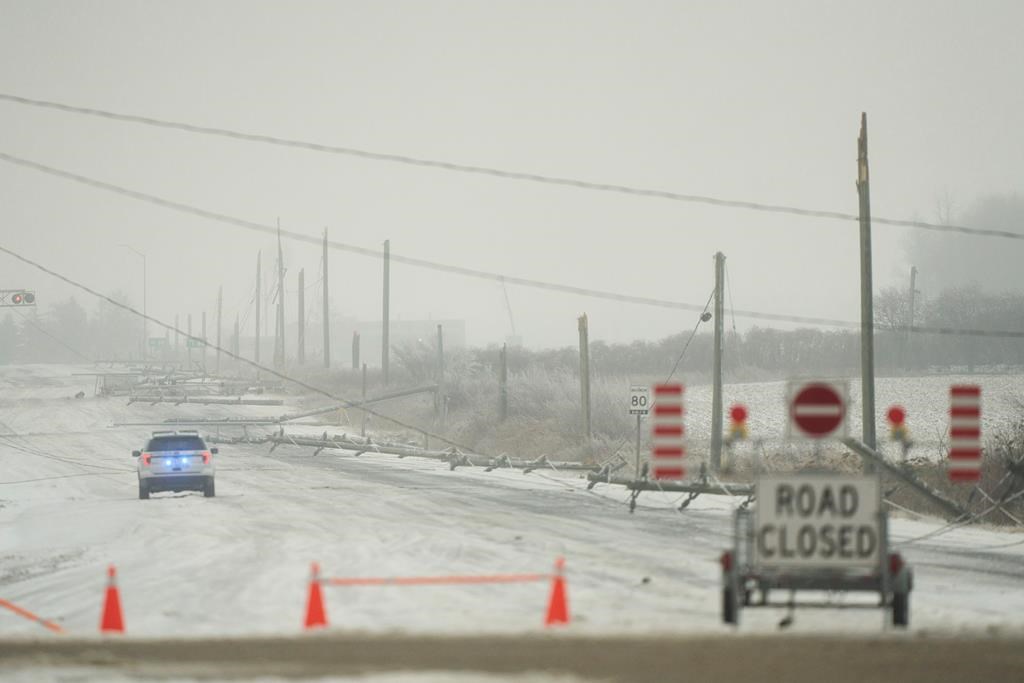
[{"x": 544, "y": 418}]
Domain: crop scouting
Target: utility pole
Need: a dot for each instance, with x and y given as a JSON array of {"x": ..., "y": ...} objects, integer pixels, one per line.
[
  {"x": 177, "y": 353},
  {"x": 145, "y": 315},
  {"x": 279, "y": 323},
  {"x": 204, "y": 343},
  {"x": 188, "y": 342},
  {"x": 503, "y": 384},
  {"x": 716, "y": 389},
  {"x": 439, "y": 394},
  {"x": 220, "y": 305},
  {"x": 867, "y": 313},
  {"x": 238, "y": 344},
  {"x": 258, "y": 287},
  {"x": 585, "y": 374},
  {"x": 327, "y": 317},
  {"x": 355, "y": 350},
  {"x": 910, "y": 315},
  {"x": 301, "y": 338},
  {"x": 386, "y": 316},
  {"x": 362, "y": 429}
]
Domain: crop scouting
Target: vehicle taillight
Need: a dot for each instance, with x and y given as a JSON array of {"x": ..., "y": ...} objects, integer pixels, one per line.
[
  {"x": 895, "y": 563},
  {"x": 206, "y": 457},
  {"x": 147, "y": 458}
]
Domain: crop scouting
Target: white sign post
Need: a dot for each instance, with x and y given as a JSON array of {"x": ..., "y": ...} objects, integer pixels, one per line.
[
  {"x": 639, "y": 405},
  {"x": 818, "y": 521}
]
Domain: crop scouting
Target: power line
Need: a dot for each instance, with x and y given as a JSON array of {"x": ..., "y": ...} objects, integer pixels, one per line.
[
  {"x": 52, "y": 336},
  {"x": 470, "y": 272},
  {"x": 501, "y": 173},
  {"x": 364, "y": 251},
  {"x": 230, "y": 354}
]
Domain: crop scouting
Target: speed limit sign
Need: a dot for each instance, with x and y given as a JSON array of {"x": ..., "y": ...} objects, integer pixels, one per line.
[{"x": 639, "y": 400}]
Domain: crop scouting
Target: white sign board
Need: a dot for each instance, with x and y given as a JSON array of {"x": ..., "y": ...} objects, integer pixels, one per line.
[
  {"x": 639, "y": 400},
  {"x": 817, "y": 520}
]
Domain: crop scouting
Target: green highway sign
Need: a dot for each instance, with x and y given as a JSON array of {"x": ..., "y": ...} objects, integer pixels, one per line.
[
  {"x": 157, "y": 342},
  {"x": 196, "y": 343}
]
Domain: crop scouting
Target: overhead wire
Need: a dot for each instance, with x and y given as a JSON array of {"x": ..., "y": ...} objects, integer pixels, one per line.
[
  {"x": 497, "y": 172},
  {"x": 52, "y": 336},
  {"x": 471, "y": 272},
  {"x": 263, "y": 368}
]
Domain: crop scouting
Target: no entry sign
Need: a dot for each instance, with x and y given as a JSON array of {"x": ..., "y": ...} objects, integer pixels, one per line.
[{"x": 817, "y": 410}]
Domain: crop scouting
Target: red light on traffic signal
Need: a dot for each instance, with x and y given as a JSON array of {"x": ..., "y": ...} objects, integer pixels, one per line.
[{"x": 896, "y": 416}]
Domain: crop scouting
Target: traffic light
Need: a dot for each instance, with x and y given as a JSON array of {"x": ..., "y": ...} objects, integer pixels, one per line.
[
  {"x": 738, "y": 426},
  {"x": 18, "y": 297}
]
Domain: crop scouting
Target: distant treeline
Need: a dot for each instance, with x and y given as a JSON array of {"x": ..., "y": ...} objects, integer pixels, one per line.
[
  {"x": 66, "y": 333},
  {"x": 764, "y": 352}
]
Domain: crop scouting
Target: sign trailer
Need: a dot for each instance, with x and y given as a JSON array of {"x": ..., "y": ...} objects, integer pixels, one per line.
[{"x": 819, "y": 532}]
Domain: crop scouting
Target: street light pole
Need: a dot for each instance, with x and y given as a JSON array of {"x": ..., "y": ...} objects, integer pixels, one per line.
[{"x": 145, "y": 318}]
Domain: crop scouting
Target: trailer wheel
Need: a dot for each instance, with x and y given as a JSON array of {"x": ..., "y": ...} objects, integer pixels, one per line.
[
  {"x": 900, "y": 609},
  {"x": 730, "y": 610}
]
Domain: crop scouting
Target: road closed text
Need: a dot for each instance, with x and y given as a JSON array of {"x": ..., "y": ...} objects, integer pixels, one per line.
[{"x": 814, "y": 521}]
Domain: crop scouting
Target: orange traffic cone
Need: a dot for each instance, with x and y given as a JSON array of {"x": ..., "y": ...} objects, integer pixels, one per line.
[
  {"x": 558, "y": 607},
  {"x": 112, "y": 621},
  {"x": 316, "y": 616}
]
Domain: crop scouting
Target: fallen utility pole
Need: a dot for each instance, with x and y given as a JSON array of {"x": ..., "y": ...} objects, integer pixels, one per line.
[
  {"x": 452, "y": 456},
  {"x": 208, "y": 400},
  {"x": 356, "y": 404},
  {"x": 208, "y": 422},
  {"x": 872, "y": 456},
  {"x": 673, "y": 486}
]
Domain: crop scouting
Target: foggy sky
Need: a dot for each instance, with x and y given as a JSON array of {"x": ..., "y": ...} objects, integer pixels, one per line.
[{"x": 750, "y": 101}]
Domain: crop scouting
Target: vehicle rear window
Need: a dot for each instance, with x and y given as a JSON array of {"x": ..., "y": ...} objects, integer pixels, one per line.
[{"x": 176, "y": 443}]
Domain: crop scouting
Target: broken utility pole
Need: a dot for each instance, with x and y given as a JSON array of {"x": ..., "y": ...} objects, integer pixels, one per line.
[{"x": 867, "y": 313}]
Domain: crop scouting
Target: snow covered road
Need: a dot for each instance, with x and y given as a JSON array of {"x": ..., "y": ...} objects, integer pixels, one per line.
[{"x": 238, "y": 564}]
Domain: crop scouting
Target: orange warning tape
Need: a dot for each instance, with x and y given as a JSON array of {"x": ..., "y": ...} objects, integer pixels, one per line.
[
  {"x": 436, "y": 580},
  {"x": 28, "y": 615}
]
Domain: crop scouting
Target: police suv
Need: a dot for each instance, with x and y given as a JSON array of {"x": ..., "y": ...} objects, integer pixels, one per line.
[{"x": 175, "y": 461}]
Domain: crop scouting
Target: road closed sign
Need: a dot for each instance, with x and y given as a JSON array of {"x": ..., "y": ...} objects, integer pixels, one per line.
[{"x": 817, "y": 521}]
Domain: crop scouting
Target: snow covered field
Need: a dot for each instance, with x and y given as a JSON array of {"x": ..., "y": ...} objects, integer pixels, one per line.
[
  {"x": 238, "y": 564},
  {"x": 925, "y": 400}
]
